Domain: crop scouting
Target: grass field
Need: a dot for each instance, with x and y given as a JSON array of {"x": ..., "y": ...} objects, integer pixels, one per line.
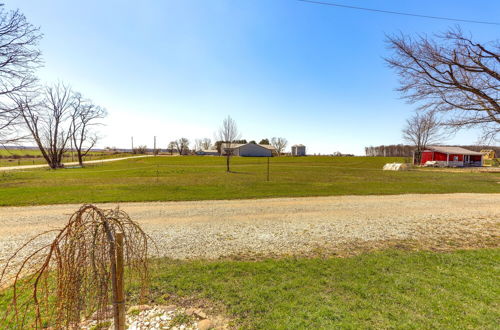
[
  {"x": 16, "y": 157},
  {"x": 379, "y": 290},
  {"x": 201, "y": 178},
  {"x": 387, "y": 289}
]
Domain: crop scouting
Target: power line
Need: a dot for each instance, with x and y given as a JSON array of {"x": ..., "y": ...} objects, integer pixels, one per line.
[{"x": 398, "y": 13}]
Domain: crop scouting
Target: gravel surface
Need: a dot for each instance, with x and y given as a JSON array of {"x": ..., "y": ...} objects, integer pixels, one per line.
[
  {"x": 215, "y": 229},
  {"x": 145, "y": 317}
]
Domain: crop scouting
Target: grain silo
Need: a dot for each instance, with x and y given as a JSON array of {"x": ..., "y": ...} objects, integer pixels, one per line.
[{"x": 298, "y": 150}]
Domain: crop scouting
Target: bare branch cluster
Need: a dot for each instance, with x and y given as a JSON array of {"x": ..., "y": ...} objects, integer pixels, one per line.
[
  {"x": 279, "y": 144},
  {"x": 453, "y": 75},
  {"x": 60, "y": 283},
  {"x": 202, "y": 144},
  {"x": 182, "y": 146},
  {"x": 228, "y": 133},
  {"x": 422, "y": 130},
  {"x": 84, "y": 116},
  {"x": 206, "y": 144},
  {"x": 19, "y": 58},
  {"x": 56, "y": 117}
]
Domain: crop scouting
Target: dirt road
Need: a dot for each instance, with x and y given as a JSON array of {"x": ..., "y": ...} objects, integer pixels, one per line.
[
  {"x": 28, "y": 167},
  {"x": 213, "y": 229}
]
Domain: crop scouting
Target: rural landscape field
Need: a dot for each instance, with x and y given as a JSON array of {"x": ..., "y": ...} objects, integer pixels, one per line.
[
  {"x": 201, "y": 178},
  {"x": 373, "y": 236},
  {"x": 294, "y": 164}
]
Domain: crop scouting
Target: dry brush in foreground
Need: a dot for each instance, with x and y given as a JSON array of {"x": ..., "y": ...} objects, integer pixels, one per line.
[{"x": 74, "y": 277}]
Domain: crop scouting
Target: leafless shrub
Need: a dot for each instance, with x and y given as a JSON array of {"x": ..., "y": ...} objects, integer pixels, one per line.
[
  {"x": 70, "y": 278},
  {"x": 141, "y": 150}
]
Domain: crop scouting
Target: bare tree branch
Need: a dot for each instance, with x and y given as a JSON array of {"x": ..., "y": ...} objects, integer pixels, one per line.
[
  {"x": 453, "y": 75},
  {"x": 85, "y": 116},
  {"x": 182, "y": 146},
  {"x": 422, "y": 130},
  {"x": 19, "y": 58},
  {"x": 206, "y": 143},
  {"x": 46, "y": 115},
  {"x": 279, "y": 144},
  {"x": 228, "y": 133}
]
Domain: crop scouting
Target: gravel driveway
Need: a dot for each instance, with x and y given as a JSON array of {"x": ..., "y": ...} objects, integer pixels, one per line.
[{"x": 214, "y": 229}]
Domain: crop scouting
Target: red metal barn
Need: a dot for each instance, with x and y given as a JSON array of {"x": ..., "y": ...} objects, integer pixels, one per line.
[{"x": 451, "y": 156}]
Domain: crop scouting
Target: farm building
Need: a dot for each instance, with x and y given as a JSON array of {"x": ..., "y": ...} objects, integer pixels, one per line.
[
  {"x": 298, "y": 150},
  {"x": 249, "y": 150},
  {"x": 451, "y": 156},
  {"x": 207, "y": 152}
]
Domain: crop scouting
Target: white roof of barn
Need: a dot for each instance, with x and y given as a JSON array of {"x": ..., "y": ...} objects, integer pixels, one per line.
[
  {"x": 267, "y": 146},
  {"x": 454, "y": 150},
  {"x": 237, "y": 145},
  {"x": 233, "y": 145}
]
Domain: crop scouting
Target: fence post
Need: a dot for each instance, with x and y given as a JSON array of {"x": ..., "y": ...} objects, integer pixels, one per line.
[
  {"x": 120, "y": 295},
  {"x": 267, "y": 168}
]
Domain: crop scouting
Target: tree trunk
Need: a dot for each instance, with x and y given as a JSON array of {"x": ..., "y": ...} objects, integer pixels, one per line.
[
  {"x": 227, "y": 164},
  {"x": 80, "y": 158}
]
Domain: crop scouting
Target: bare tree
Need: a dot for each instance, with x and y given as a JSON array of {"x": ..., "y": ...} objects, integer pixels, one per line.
[
  {"x": 279, "y": 144},
  {"x": 85, "y": 116},
  {"x": 140, "y": 150},
  {"x": 228, "y": 133},
  {"x": 182, "y": 146},
  {"x": 451, "y": 74},
  {"x": 171, "y": 146},
  {"x": 47, "y": 117},
  {"x": 422, "y": 130},
  {"x": 198, "y": 144},
  {"x": 206, "y": 144},
  {"x": 19, "y": 58}
]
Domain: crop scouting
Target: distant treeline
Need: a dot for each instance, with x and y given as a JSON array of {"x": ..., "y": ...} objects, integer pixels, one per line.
[
  {"x": 479, "y": 148},
  {"x": 401, "y": 150},
  {"x": 394, "y": 150}
]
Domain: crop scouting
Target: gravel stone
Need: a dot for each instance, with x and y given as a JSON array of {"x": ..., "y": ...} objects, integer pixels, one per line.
[{"x": 279, "y": 226}]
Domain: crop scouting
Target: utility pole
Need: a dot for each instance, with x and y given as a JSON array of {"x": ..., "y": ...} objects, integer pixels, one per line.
[
  {"x": 132, "y": 144},
  {"x": 154, "y": 148}
]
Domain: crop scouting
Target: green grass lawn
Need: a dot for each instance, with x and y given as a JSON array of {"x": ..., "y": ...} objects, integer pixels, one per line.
[
  {"x": 388, "y": 289},
  {"x": 378, "y": 290},
  {"x": 201, "y": 178}
]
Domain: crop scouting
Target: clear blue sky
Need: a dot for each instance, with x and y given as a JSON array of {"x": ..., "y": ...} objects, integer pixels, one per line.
[{"x": 313, "y": 74}]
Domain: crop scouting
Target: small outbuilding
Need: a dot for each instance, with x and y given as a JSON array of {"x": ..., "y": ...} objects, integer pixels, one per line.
[
  {"x": 298, "y": 150},
  {"x": 451, "y": 157}
]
